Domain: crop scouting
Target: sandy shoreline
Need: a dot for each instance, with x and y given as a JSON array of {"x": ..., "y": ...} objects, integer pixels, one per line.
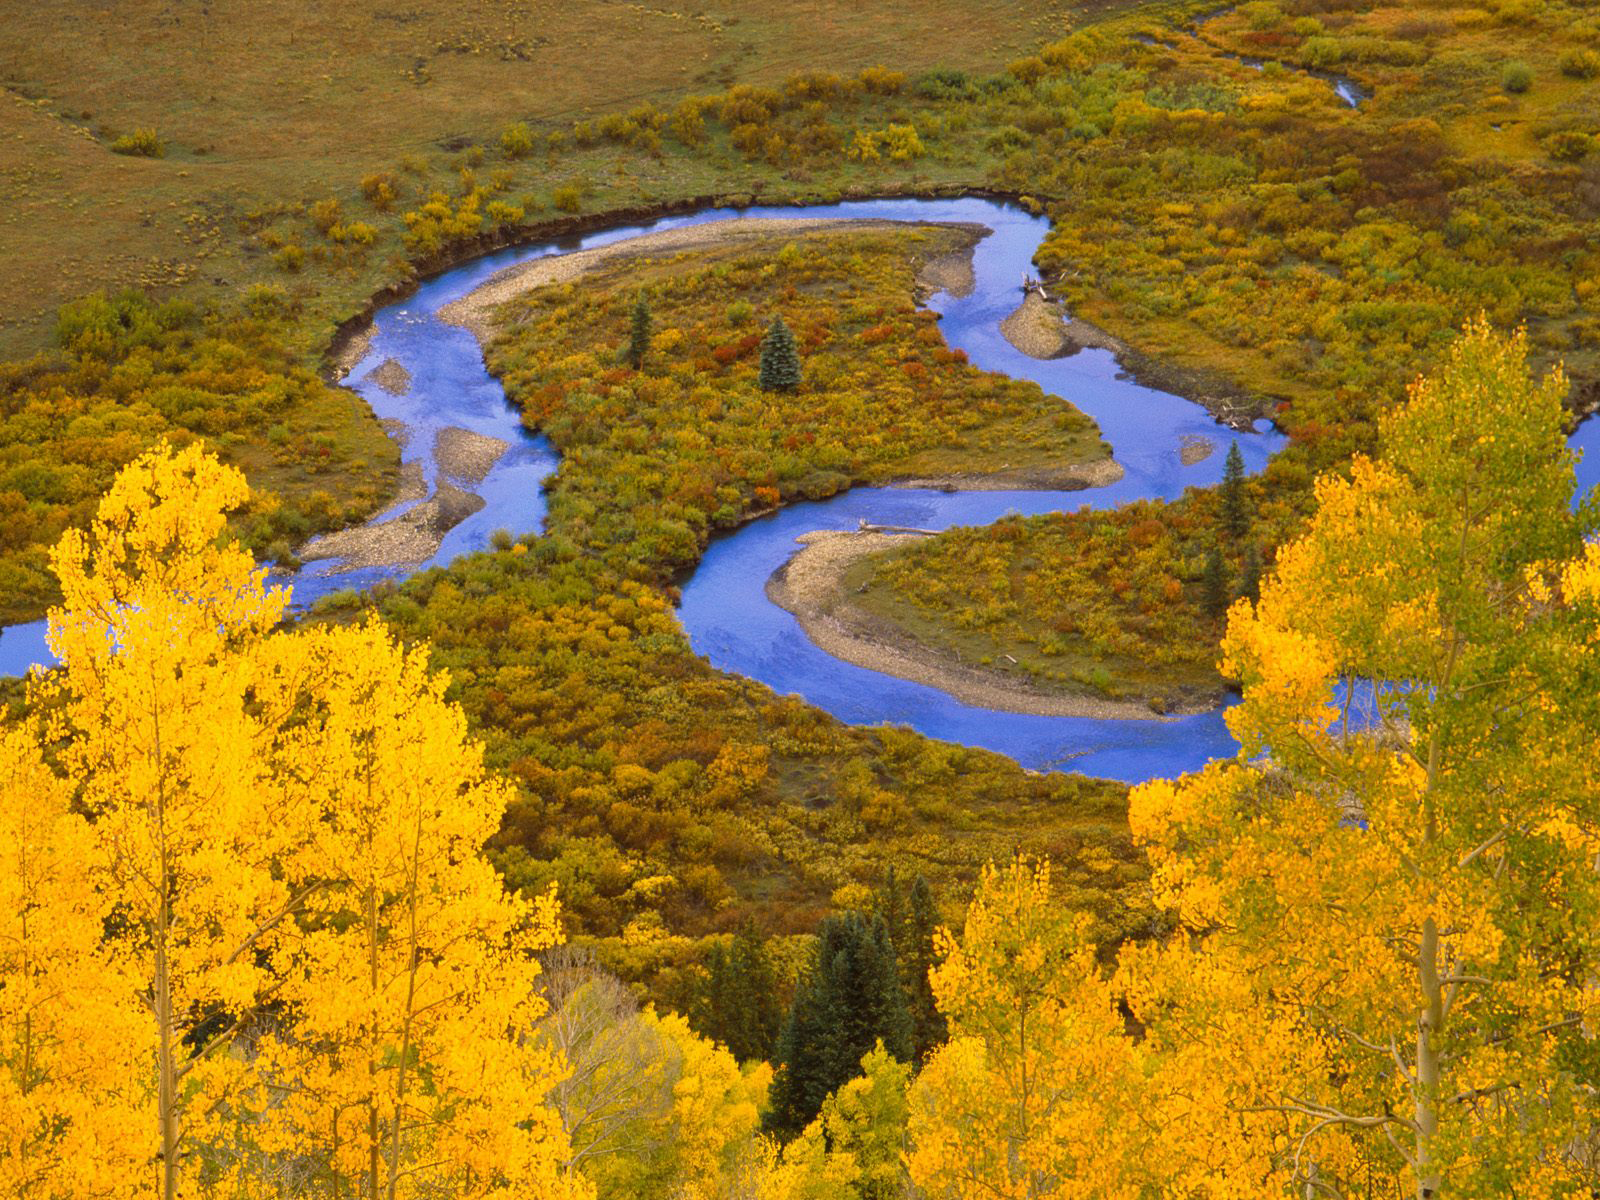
[
  {"x": 1041, "y": 328},
  {"x": 391, "y": 377},
  {"x": 1071, "y": 477},
  {"x": 476, "y": 309},
  {"x": 465, "y": 456},
  {"x": 407, "y": 540},
  {"x": 415, "y": 535},
  {"x": 809, "y": 585}
]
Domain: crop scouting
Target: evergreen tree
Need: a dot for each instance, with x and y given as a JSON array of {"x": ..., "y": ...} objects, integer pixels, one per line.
[
  {"x": 738, "y": 1005},
  {"x": 917, "y": 959},
  {"x": 848, "y": 1000},
  {"x": 892, "y": 907},
  {"x": 1235, "y": 512},
  {"x": 780, "y": 361},
  {"x": 1214, "y": 583},
  {"x": 638, "y": 334},
  {"x": 1250, "y": 575}
]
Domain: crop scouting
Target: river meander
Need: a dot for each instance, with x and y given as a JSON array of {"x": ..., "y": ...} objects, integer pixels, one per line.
[{"x": 725, "y": 611}]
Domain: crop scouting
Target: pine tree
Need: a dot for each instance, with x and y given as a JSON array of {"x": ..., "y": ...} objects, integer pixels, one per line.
[
  {"x": 780, "y": 361},
  {"x": 918, "y": 958},
  {"x": 738, "y": 1006},
  {"x": 848, "y": 1000},
  {"x": 891, "y": 904},
  {"x": 1250, "y": 575},
  {"x": 911, "y": 918},
  {"x": 1214, "y": 583},
  {"x": 638, "y": 334},
  {"x": 1235, "y": 513}
]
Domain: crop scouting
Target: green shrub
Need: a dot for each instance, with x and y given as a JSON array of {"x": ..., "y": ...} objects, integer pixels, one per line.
[
  {"x": 568, "y": 198},
  {"x": 1581, "y": 63},
  {"x": 1516, "y": 77},
  {"x": 1262, "y": 15},
  {"x": 141, "y": 143},
  {"x": 1568, "y": 146},
  {"x": 517, "y": 140}
]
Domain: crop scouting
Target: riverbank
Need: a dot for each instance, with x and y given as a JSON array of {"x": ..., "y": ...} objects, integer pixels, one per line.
[
  {"x": 475, "y": 311},
  {"x": 1043, "y": 329},
  {"x": 415, "y": 535},
  {"x": 811, "y": 587},
  {"x": 1039, "y": 477}
]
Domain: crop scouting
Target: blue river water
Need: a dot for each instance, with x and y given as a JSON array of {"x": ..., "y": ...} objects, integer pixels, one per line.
[{"x": 724, "y": 609}]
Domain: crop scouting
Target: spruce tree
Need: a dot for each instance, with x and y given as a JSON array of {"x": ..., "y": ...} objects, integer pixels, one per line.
[
  {"x": 638, "y": 334},
  {"x": 1214, "y": 584},
  {"x": 891, "y": 906},
  {"x": 1235, "y": 514},
  {"x": 917, "y": 958},
  {"x": 780, "y": 361},
  {"x": 1250, "y": 575},
  {"x": 848, "y": 999},
  {"x": 738, "y": 1005}
]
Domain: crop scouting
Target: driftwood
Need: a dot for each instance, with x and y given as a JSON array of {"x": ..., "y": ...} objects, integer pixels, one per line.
[{"x": 864, "y": 527}]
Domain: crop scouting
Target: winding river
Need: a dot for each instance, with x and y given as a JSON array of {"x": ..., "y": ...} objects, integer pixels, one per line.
[{"x": 725, "y": 611}]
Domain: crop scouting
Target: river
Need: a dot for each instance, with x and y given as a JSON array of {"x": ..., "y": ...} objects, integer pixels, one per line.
[{"x": 725, "y": 612}]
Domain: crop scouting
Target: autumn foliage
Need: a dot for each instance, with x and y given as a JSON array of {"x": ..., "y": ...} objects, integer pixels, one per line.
[
  {"x": 251, "y": 940},
  {"x": 1381, "y": 979}
]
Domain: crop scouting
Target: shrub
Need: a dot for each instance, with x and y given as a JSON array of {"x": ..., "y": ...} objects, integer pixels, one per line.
[
  {"x": 568, "y": 198},
  {"x": 1581, "y": 63},
  {"x": 1568, "y": 146},
  {"x": 688, "y": 122},
  {"x": 943, "y": 84},
  {"x": 1516, "y": 77},
  {"x": 1262, "y": 15},
  {"x": 863, "y": 147},
  {"x": 517, "y": 140},
  {"x": 141, "y": 143},
  {"x": 290, "y": 258},
  {"x": 381, "y": 190},
  {"x": 501, "y": 213},
  {"x": 1028, "y": 70},
  {"x": 356, "y": 233},
  {"x": 324, "y": 214},
  {"x": 902, "y": 142},
  {"x": 881, "y": 81}
]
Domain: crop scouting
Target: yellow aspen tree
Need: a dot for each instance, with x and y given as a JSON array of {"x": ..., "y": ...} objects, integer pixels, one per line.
[
  {"x": 409, "y": 1068},
  {"x": 856, "y": 1147},
  {"x": 1397, "y": 876},
  {"x": 164, "y": 744},
  {"x": 1037, "y": 1092},
  {"x": 715, "y": 1112},
  {"x": 75, "y": 1094}
]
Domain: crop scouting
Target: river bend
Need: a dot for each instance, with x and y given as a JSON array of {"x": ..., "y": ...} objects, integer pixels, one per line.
[{"x": 724, "y": 610}]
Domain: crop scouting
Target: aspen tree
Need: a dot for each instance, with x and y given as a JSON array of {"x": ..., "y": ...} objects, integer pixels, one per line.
[
  {"x": 409, "y": 1068},
  {"x": 1410, "y": 899},
  {"x": 165, "y": 746},
  {"x": 1026, "y": 1098},
  {"x": 74, "y": 1094}
]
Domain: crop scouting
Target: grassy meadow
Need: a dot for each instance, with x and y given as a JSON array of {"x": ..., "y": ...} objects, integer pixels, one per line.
[{"x": 265, "y": 108}]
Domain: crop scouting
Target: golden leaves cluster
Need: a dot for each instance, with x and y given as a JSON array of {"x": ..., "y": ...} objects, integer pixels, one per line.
[{"x": 246, "y": 910}]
